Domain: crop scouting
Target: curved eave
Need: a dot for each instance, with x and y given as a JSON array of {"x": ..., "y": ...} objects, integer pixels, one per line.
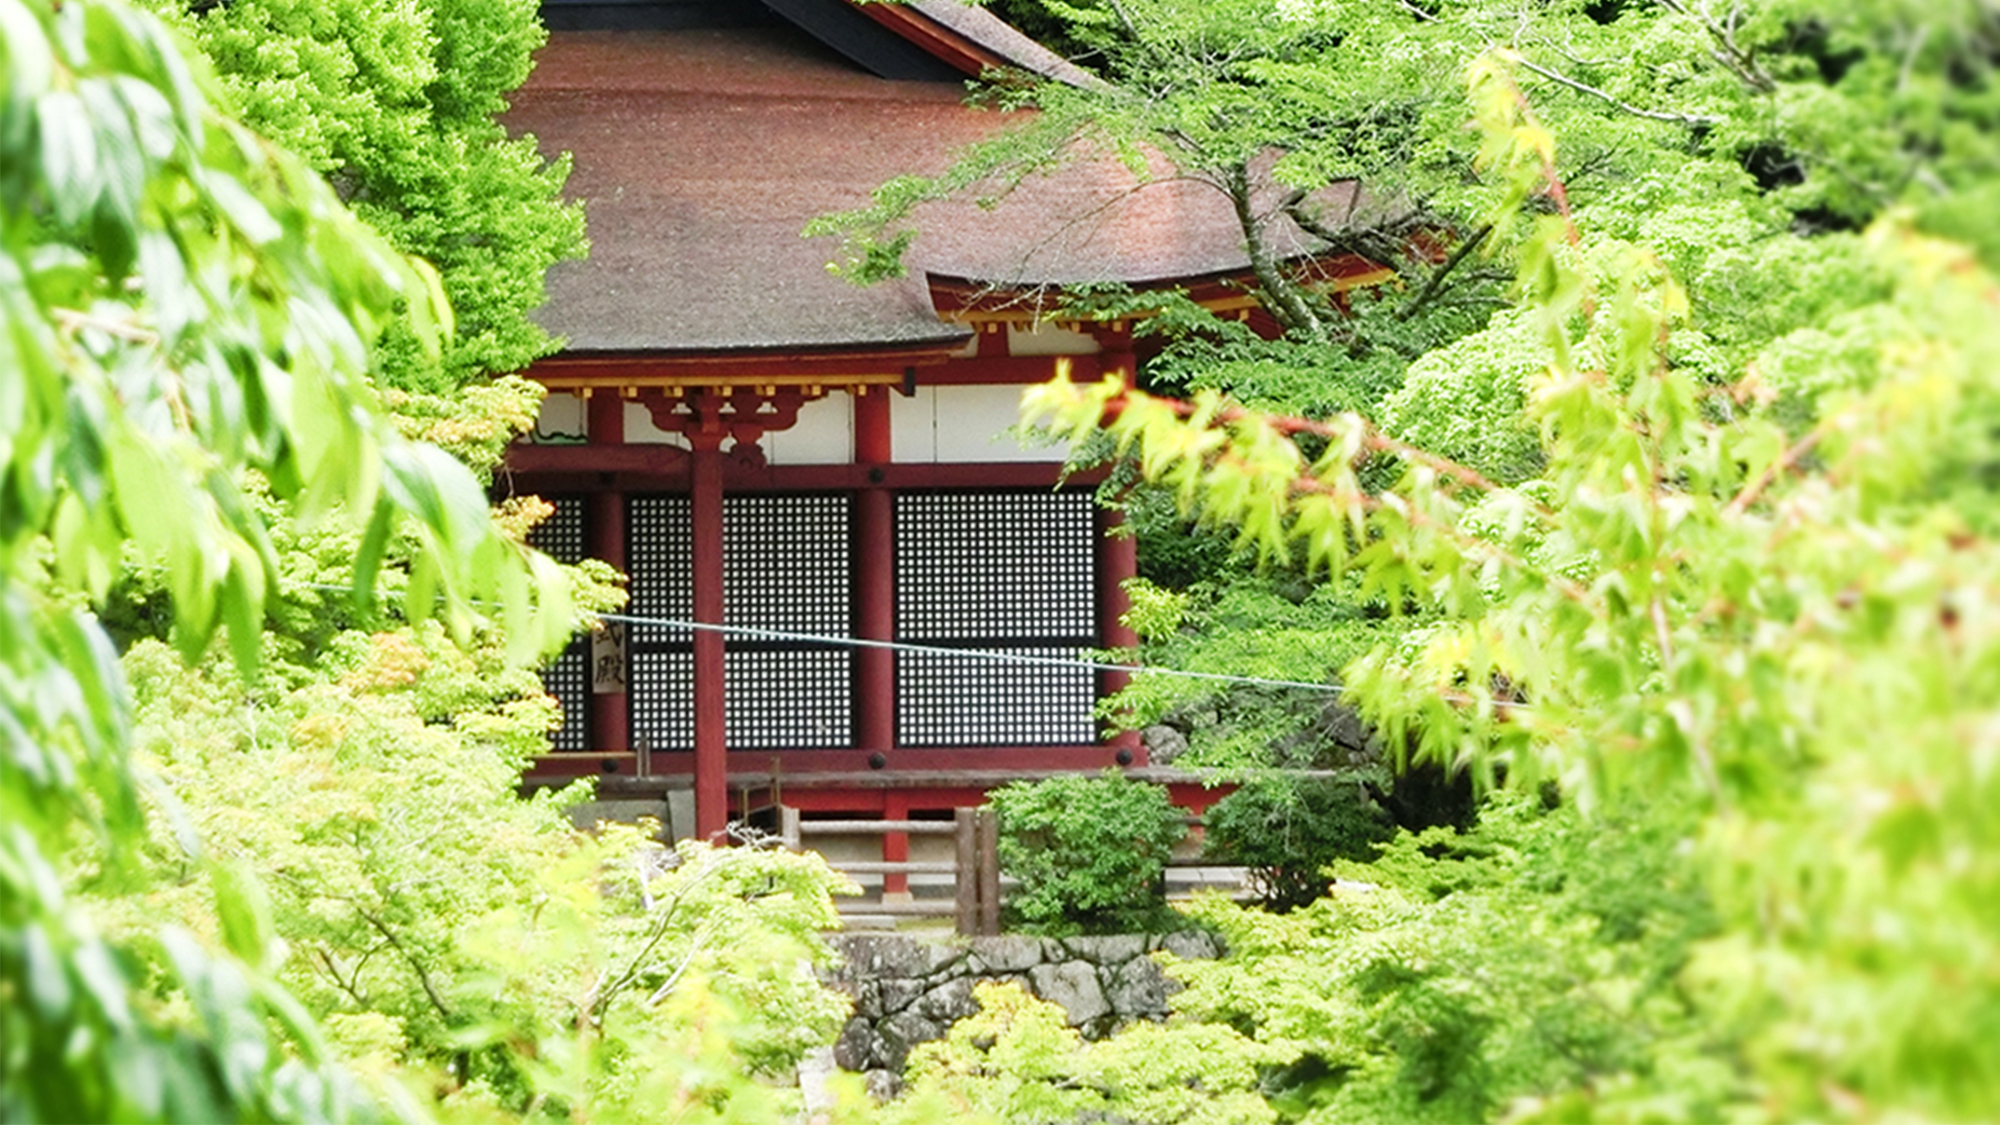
[
  {"x": 824, "y": 367},
  {"x": 970, "y": 300}
]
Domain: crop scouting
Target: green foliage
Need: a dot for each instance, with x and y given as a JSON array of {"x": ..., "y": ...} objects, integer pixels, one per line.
[
  {"x": 450, "y": 931},
  {"x": 1277, "y": 626},
  {"x": 1468, "y": 401},
  {"x": 1527, "y": 967},
  {"x": 1270, "y": 105},
  {"x": 1089, "y": 852},
  {"x": 1016, "y": 1061},
  {"x": 180, "y": 304},
  {"x": 1287, "y": 830},
  {"x": 1711, "y": 139},
  {"x": 1694, "y": 602},
  {"x": 394, "y": 100}
]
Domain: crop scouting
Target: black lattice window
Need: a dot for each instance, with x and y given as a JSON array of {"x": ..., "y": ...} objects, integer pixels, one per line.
[
  {"x": 661, "y": 687},
  {"x": 659, "y": 556},
  {"x": 787, "y": 566},
  {"x": 568, "y": 677},
  {"x": 777, "y": 698},
  {"x": 1004, "y": 572}
]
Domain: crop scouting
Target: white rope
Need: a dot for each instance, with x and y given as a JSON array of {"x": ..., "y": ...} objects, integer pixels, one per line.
[
  {"x": 937, "y": 650},
  {"x": 979, "y": 654}
]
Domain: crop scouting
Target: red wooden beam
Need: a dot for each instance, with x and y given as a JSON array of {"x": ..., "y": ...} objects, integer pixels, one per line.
[
  {"x": 609, "y": 715},
  {"x": 638, "y": 458},
  {"x": 570, "y": 469},
  {"x": 1006, "y": 370},
  {"x": 830, "y": 366},
  {"x": 928, "y": 799},
  {"x": 941, "y": 43},
  {"x": 805, "y": 762}
]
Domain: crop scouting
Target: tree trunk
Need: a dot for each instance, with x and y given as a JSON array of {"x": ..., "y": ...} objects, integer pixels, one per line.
[{"x": 1283, "y": 299}]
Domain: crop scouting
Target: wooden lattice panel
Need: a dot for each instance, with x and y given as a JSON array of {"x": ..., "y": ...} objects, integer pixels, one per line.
[
  {"x": 567, "y": 678},
  {"x": 787, "y": 566},
  {"x": 1005, "y": 572},
  {"x": 659, "y": 555}
]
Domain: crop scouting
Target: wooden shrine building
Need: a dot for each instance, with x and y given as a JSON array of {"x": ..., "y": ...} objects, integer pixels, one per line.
[{"x": 757, "y": 443}]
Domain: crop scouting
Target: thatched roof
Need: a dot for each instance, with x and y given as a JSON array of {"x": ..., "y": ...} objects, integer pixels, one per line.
[{"x": 700, "y": 155}]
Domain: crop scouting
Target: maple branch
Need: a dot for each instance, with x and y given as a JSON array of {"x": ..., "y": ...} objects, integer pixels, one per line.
[
  {"x": 1732, "y": 55},
  {"x": 1784, "y": 463},
  {"x": 1612, "y": 100}
]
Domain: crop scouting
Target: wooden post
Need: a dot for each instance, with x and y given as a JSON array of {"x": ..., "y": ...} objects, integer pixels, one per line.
[
  {"x": 965, "y": 875},
  {"x": 610, "y": 729},
  {"x": 875, "y": 580},
  {"x": 987, "y": 841},
  {"x": 1117, "y": 558},
  {"x": 610, "y": 715},
  {"x": 788, "y": 827},
  {"x": 1117, "y": 561},
  {"x": 895, "y": 848},
  {"x": 711, "y": 762}
]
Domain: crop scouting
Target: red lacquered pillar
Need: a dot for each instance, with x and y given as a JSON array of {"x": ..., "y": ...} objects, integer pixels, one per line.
[
  {"x": 875, "y": 603},
  {"x": 610, "y": 716},
  {"x": 875, "y": 586},
  {"x": 1117, "y": 560},
  {"x": 711, "y": 761},
  {"x": 1117, "y": 555}
]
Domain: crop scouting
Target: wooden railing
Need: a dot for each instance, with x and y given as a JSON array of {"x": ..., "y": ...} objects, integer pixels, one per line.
[{"x": 974, "y": 867}]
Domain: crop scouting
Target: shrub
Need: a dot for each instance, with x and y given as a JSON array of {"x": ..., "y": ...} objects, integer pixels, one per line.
[
  {"x": 1089, "y": 852},
  {"x": 1286, "y": 830}
]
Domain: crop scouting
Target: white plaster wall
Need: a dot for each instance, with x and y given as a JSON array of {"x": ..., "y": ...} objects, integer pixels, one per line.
[
  {"x": 937, "y": 425},
  {"x": 959, "y": 424},
  {"x": 562, "y": 417},
  {"x": 913, "y": 427},
  {"x": 640, "y": 430},
  {"x": 824, "y": 434},
  {"x": 1044, "y": 338}
]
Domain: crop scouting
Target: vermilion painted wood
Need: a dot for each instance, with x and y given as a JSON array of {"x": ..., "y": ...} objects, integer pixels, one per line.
[
  {"x": 832, "y": 367},
  {"x": 1117, "y": 561},
  {"x": 608, "y": 377},
  {"x": 605, "y": 419},
  {"x": 608, "y": 470},
  {"x": 1007, "y": 371},
  {"x": 711, "y": 786},
  {"x": 639, "y": 460},
  {"x": 895, "y": 845},
  {"x": 802, "y": 765},
  {"x": 954, "y": 50},
  {"x": 576, "y": 469},
  {"x": 609, "y": 716},
  {"x": 936, "y": 799},
  {"x": 875, "y": 581}
]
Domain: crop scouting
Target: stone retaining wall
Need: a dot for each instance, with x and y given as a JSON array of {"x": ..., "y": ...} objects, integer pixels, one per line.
[{"x": 909, "y": 990}]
